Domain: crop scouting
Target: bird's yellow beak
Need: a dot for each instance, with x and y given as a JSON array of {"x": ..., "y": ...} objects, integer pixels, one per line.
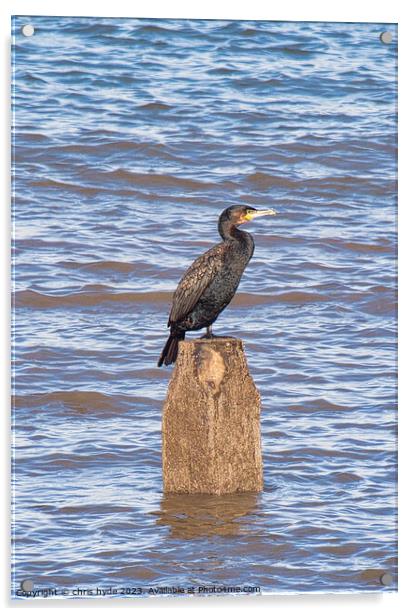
[{"x": 256, "y": 213}]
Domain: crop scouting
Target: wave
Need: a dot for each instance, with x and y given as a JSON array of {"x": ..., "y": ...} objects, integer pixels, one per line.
[
  {"x": 112, "y": 146},
  {"x": 99, "y": 182},
  {"x": 292, "y": 50},
  {"x": 254, "y": 82},
  {"x": 93, "y": 295},
  {"x": 264, "y": 180},
  {"x": 35, "y": 137},
  {"x": 302, "y": 453},
  {"x": 381, "y": 247},
  {"x": 135, "y": 180},
  {"x": 156, "y": 179},
  {"x": 319, "y": 404},
  {"x": 250, "y": 32},
  {"x": 82, "y": 401},
  {"x": 87, "y": 190},
  {"x": 353, "y": 184},
  {"x": 348, "y": 549},
  {"x": 101, "y": 266},
  {"x": 91, "y": 509},
  {"x": 222, "y": 70},
  {"x": 33, "y": 299},
  {"x": 155, "y": 106},
  {"x": 117, "y": 145},
  {"x": 345, "y": 477},
  {"x": 155, "y": 28},
  {"x": 294, "y": 297},
  {"x": 337, "y": 184},
  {"x": 90, "y": 297}
]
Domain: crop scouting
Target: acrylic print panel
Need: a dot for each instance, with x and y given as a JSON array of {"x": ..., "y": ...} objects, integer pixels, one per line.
[{"x": 130, "y": 136}]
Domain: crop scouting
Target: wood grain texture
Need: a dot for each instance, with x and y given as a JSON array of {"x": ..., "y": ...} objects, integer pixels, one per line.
[{"x": 211, "y": 421}]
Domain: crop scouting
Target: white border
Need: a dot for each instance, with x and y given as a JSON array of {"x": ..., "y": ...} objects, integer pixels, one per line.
[
  {"x": 352, "y": 10},
  {"x": 305, "y": 10}
]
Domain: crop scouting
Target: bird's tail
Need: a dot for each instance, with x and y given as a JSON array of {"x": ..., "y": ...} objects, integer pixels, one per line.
[{"x": 169, "y": 353}]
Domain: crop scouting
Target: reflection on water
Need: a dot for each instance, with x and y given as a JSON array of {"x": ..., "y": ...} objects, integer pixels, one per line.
[
  {"x": 130, "y": 137},
  {"x": 199, "y": 515}
]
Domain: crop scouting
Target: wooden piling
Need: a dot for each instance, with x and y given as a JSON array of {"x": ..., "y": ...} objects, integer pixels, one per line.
[{"x": 211, "y": 421}]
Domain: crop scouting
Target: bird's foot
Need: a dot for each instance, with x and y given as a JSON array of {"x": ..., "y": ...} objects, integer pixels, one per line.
[{"x": 209, "y": 334}]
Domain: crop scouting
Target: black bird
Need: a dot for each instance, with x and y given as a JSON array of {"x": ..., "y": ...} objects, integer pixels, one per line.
[{"x": 211, "y": 281}]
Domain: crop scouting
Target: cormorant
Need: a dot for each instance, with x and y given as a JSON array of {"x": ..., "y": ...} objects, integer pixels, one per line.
[{"x": 211, "y": 281}]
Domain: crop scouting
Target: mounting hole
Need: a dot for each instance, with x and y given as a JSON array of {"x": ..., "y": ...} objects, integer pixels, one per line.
[
  {"x": 386, "y": 37},
  {"x": 386, "y": 579},
  {"x": 28, "y": 30},
  {"x": 27, "y": 585}
]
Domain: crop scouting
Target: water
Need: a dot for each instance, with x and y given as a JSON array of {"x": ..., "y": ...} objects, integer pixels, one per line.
[{"x": 130, "y": 138}]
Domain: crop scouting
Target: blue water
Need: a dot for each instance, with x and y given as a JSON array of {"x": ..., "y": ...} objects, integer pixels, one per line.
[{"x": 130, "y": 136}]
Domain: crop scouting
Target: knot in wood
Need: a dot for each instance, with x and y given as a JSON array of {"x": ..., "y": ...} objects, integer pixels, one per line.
[{"x": 211, "y": 368}]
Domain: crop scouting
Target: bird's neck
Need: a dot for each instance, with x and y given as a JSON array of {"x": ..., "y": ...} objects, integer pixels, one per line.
[{"x": 228, "y": 231}]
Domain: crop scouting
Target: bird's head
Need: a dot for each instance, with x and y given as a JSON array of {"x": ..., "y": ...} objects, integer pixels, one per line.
[{"x": 240, "y": 214}]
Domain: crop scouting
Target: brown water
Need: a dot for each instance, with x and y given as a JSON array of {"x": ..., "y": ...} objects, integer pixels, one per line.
[{"x": 130, "y": 138}]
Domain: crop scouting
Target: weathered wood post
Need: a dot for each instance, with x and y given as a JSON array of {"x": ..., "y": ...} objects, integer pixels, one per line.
[{"x": 211, "y": 421}]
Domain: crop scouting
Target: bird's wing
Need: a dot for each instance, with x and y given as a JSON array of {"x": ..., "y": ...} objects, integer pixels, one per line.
[{"x": 197, "y": 278}]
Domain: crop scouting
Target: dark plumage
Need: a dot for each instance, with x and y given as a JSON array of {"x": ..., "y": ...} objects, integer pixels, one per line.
[{"x": 211, "y": 281}]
